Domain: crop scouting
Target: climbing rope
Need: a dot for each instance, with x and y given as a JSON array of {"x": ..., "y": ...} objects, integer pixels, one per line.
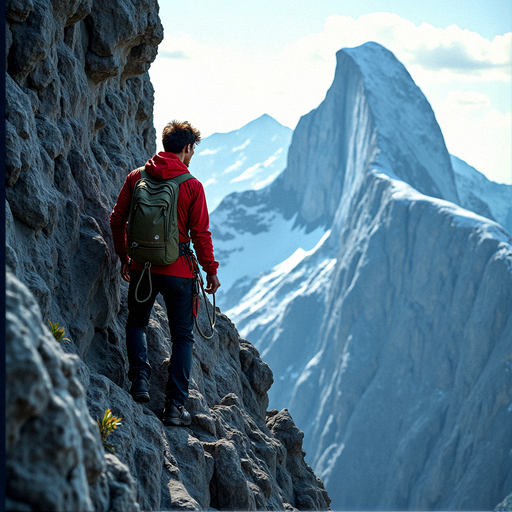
[
  {"x": 199, "y": 284},
  {"x": 147, "y": 266}
]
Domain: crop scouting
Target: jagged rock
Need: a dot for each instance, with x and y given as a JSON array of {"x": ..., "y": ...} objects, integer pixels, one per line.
[
  {"x": 229, "y": 458},
  {"x": 18, "y": 10},
  {"x": 69, "y": 145},
  {"x": 78, "y": 119},
  {"x": 115, "y": 490},
  {"x": 55, "y": 457},
  {"x": 392, "y": 336}
]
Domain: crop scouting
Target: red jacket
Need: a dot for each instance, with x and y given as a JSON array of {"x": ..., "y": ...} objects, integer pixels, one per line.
[{"x": 193, "y": 219}]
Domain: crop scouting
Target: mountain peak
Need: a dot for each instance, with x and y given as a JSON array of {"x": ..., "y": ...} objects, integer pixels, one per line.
[
  {"x": 404, "y": 120},
  {"x": 374, "y": 101},
  {"x": 266, "y": 119},
  {"x": 400, "y": 316}
]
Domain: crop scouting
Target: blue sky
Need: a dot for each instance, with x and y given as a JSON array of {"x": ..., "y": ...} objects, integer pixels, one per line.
[
  {"x": 276, "y": 22},
  {"x": 223, "y": 64}
]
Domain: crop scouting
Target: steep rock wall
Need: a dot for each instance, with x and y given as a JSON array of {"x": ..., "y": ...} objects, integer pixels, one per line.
[
  {"x": 55, "y": 459},
  {"x": 316, "y": 174},
  {"x": 354, "y": 128},
  {"x": 392, "y": 338},
  {"x": 78, "y": 119},
  {"x": 413, "y": 359},
  {"x": 235, "y": 455}
]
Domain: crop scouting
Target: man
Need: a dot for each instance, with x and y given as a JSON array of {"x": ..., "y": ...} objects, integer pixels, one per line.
[{"x": 175, "y": 281}]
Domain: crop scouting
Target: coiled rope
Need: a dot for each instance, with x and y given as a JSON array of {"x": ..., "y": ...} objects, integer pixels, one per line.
[{"x": 199, "y": 284}]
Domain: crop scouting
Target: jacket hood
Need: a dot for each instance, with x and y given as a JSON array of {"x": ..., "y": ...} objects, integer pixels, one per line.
[{"x": 165, "y": 165}]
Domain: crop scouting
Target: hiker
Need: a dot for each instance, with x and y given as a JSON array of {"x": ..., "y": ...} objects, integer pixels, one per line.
[{"x": 174, "y": 281}]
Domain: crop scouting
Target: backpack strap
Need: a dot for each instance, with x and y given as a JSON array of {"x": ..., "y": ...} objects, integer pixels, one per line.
[
  {"x": 182, "y": 177},
  {"x": 178, "y": 179}
]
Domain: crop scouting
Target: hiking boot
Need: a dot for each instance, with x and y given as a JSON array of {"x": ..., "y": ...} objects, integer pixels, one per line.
[
  {"x": 140, "y": 389},
  {"x": 176, "y": 415}
]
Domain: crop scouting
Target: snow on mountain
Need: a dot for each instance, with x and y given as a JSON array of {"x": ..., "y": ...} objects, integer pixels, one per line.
[
  {"x": 243, "y": 226},
  {"x": 246, "y": 159},
  {"x": 477, "y": 193},
  {"x": 389, "y": 330},
  {"x": 405, "y": 400}
]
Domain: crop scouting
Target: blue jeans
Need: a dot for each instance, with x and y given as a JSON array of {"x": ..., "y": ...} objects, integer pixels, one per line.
[{"x": 177, "y": 293}]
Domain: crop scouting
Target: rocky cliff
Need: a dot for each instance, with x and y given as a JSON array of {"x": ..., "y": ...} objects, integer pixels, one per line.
[
  {"x": 78, "y": 119},
  {"x": 392, "y": 337}
]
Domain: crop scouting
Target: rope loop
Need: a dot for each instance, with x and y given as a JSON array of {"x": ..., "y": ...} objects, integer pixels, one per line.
[
  {"x": 199, "y": 284},
  {"x": 210, "y": 319},
  {"x": 147, "y": 266}
]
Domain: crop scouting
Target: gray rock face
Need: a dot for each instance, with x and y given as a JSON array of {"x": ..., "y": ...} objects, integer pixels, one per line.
[
  {"x": 229, "y": 458},
  {"x": 55, "y": 458},
  {"x": 78, "y": 119},
  {"x": 392, "y": 339},
  {"x": 365, "y": 131},
  {"x": 235, "y": 455},
  {"x": 413, "y": 365},
  {"x": 71, "y": 138}
]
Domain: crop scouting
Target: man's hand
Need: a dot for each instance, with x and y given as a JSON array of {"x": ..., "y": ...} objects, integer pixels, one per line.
[
  {"x": 125, "y": 271},
  {"x": 212, "y": 283}
]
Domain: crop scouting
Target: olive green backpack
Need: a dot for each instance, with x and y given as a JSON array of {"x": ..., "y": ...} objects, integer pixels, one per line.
[{"x": 152, "y": 235}]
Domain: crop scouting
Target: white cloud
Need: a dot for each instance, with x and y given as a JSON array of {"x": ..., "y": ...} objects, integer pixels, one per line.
[
  {"x": 212, "y": 88},
  {"x": 441, "y": 54},
  {"x": 210, "y": 151},
  {"x": 469, "y": 99},
  {"x": 178, "y": 54},
  {"x": 221, "y": 89}
]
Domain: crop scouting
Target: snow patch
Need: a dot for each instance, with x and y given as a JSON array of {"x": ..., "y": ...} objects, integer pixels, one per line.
[
  {"x": 247, "y": 174},
  {"x": 249, "y": 254},
  {"x": 234, "y": 167},
  {"x": 460, "y": 216},
  {"x": 242, "y": 146},
  {"x": 269, "y": 161},
  {"x": 267, "y": 181},
  {"x": 210, "y": 151}
]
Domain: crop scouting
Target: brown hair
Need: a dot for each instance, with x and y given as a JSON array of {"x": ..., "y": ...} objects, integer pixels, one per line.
[{"x": 178, "y": 134}]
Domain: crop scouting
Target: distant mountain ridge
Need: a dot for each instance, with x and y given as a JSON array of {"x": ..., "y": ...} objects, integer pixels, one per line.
[
  {"x": 390, "y": 329},
  {"x": 482, "y": 196},
  {"x": 245, "y": 159},
  {"x": 244, "y": 223}
]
